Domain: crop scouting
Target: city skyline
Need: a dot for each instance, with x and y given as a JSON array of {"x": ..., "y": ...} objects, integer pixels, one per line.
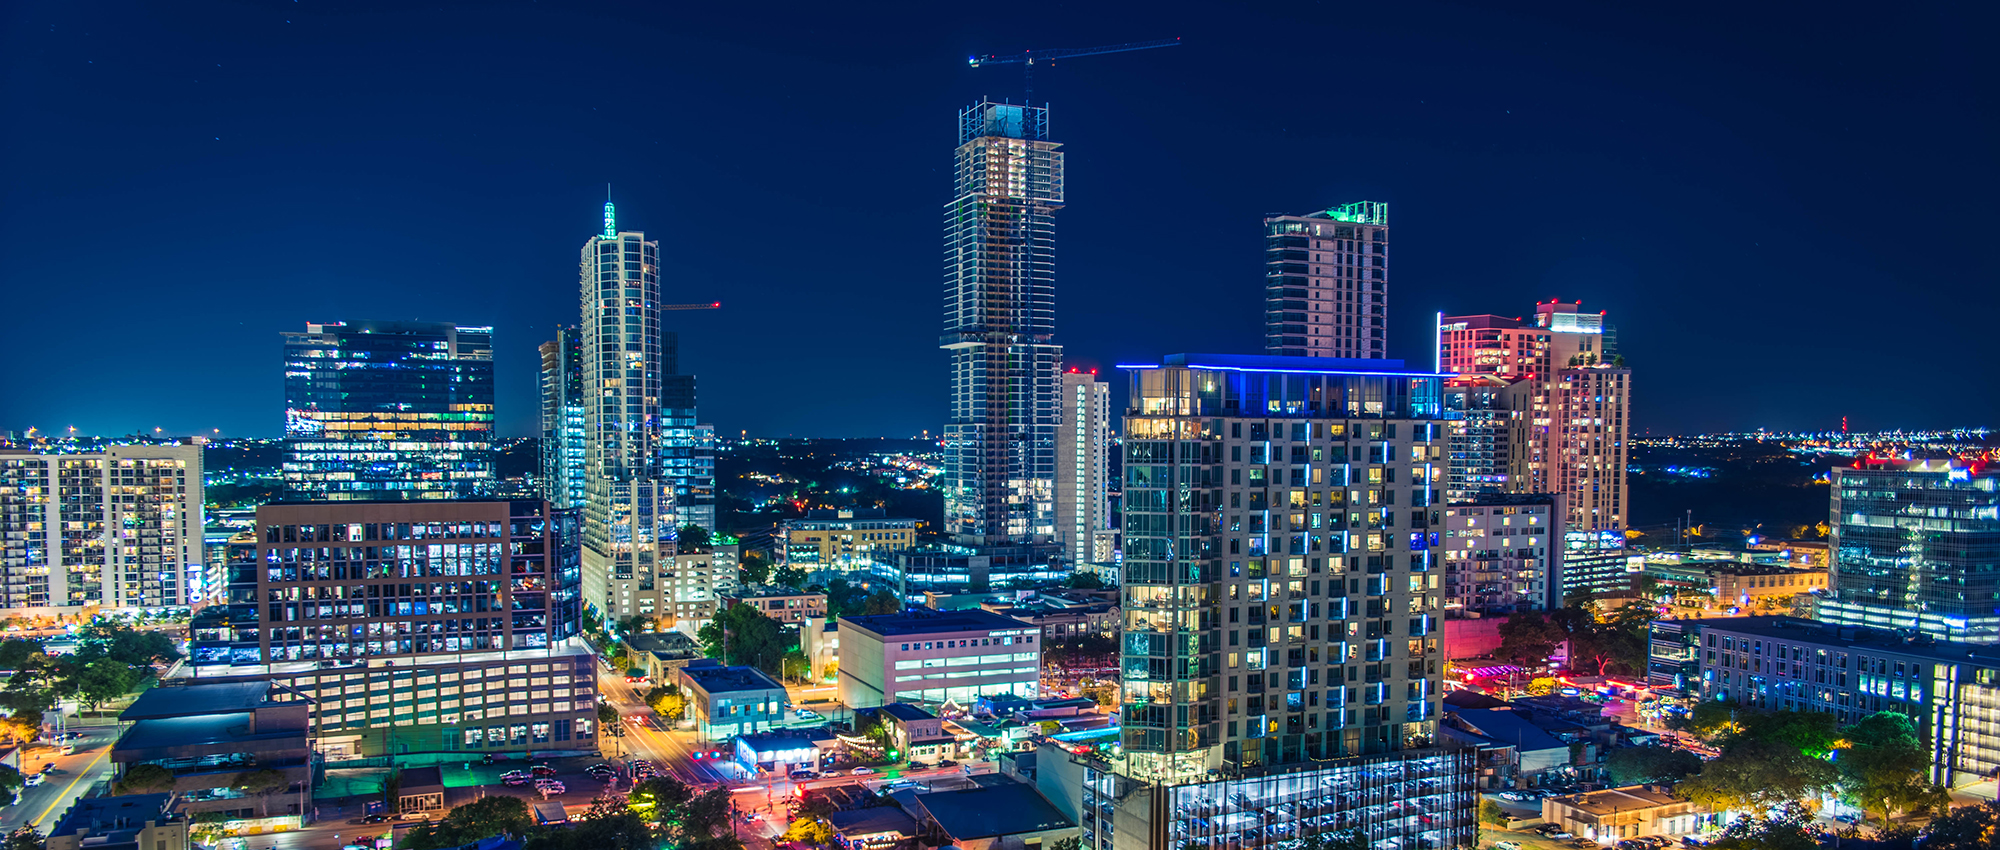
[{"x": 1617, "y": 188}]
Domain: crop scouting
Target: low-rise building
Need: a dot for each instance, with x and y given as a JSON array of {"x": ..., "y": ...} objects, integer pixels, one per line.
[
  {"x": 1513, "y": 752},
  {"x": 1000, "y": 816},
  {"x": 784, "y": 750},
  {"x": 1634, "y": 811},
  {"x": 731, "y": 701},
  {"x": 661, "y": 653},
  {"x": 784, "y": 604},
  {"x": 844, "y": 540},
  {"x": 1062, "y": 617},
  {"x": 421, "y": 790},
  {"x": 1724, "y": 584},
  {"x": 920, "y": 655},
  {"x": 208, "y": 735},
  {"x": 128, "y": 822},
  {"x": 917, "y": 734},
  {"x": 871, "y": 828},
  {"x": 819, "y": 639}
]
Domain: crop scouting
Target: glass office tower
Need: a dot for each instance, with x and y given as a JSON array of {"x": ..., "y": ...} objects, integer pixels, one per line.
[
  {"x": 562, "y": 419},
  {"x": 388, "y": 411},
  {"x": 1916, "y": 545}
]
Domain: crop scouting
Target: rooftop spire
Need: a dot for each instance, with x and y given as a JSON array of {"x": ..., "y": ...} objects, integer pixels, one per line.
[{"x": 610, "y": 215}]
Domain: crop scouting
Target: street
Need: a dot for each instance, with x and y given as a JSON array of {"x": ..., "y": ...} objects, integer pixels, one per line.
[{"x": 40, "y": 805}]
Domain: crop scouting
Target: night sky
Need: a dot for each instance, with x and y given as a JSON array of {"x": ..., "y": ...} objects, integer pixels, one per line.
[{"x": 1787, "y": 211}]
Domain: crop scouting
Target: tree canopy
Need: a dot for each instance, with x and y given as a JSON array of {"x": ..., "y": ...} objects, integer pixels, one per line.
[
  {"x": 470, "y": 822},
  {"x": 1637, "y": 765},
  {"x": 1886, "y": 767},
  {"x": 753, "y": 639},
  {"x": 1527, "y": 638}
]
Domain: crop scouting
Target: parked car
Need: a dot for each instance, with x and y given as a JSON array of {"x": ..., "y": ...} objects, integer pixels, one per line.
[
  {"x": 798, "y": 775},
  {"x": 33, "y": 779},
  {"x": 378, "y": 817},
  {"x": 863, "y": 771},
  {"x": 543, "y": 770},
  {"x": 947, "y": 763},
  {"x": 1507, "y": 845},
  {"x": 1560, "y": 835}
]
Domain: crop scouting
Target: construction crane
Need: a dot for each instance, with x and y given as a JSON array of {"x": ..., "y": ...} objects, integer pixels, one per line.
[
  {"x": 712, "y": 305},
  {"x": 1028, "y": 59}
]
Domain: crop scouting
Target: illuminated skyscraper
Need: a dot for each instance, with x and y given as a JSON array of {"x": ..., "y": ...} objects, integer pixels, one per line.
[
  {"x": 119, "y": 527},
  {"x": 388, "y": 411},
  {"x": 1083, "y": 466},
  {"x": 644, "y": 455},
  {"x": 999, "y": 326},
  {"x": 563, "y": 429},
  {"x": 1326, "y": 282},
  {"x": 1916, "y": 545}
]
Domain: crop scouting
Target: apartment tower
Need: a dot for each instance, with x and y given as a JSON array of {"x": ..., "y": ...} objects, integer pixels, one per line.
[
  {"x": 1568, "y": 396},
  {"x": 563, "y": 431},
  {"x": 999, "y": 327},
  {"x": 117, "y": 527},
  {"x": 392, "y": 411},
  {"x": 1083, "y": 466},
  {"x": 1326, "y": 282}
]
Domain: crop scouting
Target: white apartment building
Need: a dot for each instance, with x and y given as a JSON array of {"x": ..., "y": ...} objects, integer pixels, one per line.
[
  {"x": 1083, "y": 467},
  {"x": 116, "y": 528}
]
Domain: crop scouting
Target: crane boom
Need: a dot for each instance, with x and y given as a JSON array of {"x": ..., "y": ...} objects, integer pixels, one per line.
[
  {"x": 1027, "y": 59},
  {"x": 712, "y": 305}
]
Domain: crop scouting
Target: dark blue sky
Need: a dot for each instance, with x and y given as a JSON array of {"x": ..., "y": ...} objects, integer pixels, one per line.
[{"x": 1787, "y": 211}]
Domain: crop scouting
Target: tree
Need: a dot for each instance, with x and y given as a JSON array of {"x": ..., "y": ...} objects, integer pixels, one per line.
[
  {"x": 23, "y": 725},
  {"x": 119, "y": 642},
  {"x": 810, "y": 831},
  {"x": 1885, "y": 767},
  {"x": 1541, "y": 686},
  {"x": 1711, "y": 719},
  {"x": 788, "y": 576},
  {"x": 145, "y": 779},
  {"x": 667, "y": 702},
  {"x": 606, "y": 715},
  {"x": 1638, "y": 765},
  {"x": 16, "y": 652},
  {"x": 1085, "y": 581},
  {"x": 1812, "y": 732},
  {"x": 1346, "y": 839},
  {"x": 1527, "y": 638},
  {"x": 11, "y": 780},
  {"x": 262, "y": 783},
  {"x": 470, "y": 822},
  {"x": 751, "y": 639},
  {"x": 632, "y": 625},
  {"x": 105, "y": 679},
  {"x": 796, "y": 667},
  {"x": 1783, "y": 828},
  {"x": 693, "y": 537},
  {"x": 25, "y": 838},
  {"x": 881, "y": 602},
  {"x": 753, "y": 568},
  {"x": 1975, "y": 827},
  {"x": 1491, "y": 813},
  {"x": 1757, "y": 773}
]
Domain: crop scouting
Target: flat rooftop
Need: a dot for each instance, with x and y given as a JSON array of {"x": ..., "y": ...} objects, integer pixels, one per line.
[
  {"x": 722, "y": 680},
  {"x": 1010, "y": 809},
  {"x": 1276, "y": 363},
  {"x": 924, "y": 621},
  {"x": 1801, "y": 630},
  {"x": 1614, "y": 800},
  {"x": 183, "y": 701},
  {"x": 199, "y": 729},
  {"x": 567, "y": 649},
  {"x": 103, "y": 814}
]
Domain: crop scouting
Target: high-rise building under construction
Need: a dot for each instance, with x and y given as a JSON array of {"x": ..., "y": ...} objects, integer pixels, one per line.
[{"x": 999, "y": 327}]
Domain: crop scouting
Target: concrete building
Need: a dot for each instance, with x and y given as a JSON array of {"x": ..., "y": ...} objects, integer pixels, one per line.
[
  {"x": 1616, "y": 814},
  {"x": 563, "y": 430},
  {"x": 127, "y": 822},
  {"x": 925, "y": 656},
  {"x": 117, "y": 528},
  {"x": 1568, "y": 396},
  {"x": 871, "y": 828},
  {"x": 1282, "y": 581},
  {"x": 917, "y": 734},
  {"x": 661, "y": 653},
  {"x": 731, "y": 701},
  {"x": 998, "y": 816},
  {"x": 1083, "y": 466},
  {"x": 208, "y": 734},
  {"x": 1951, "y": 689},
  {"x": 999, "y": 327},
  {"x": 845, "y": 540},
  {"x": 1482, "y": 436},
  {"x": 819, "y": 639},
  {"x": 648, "y": 464},
  {"x": 389, "y": 410},
  {"x": 1912, "y": 547},
  {"x": 1724, "y": 584},
  {"x": 1513, "y": 752},
  {"x": 786, "y": 605},
  {"x": 1326, "y": 282},
  {"x": 477, "y": 653},
  {"x": 1502, "y": 553},
  {"x": 951, "y": 568}
]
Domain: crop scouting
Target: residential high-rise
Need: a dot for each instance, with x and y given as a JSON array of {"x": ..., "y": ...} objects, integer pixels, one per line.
[
  {"x": 1281, "y": 594},
  {"x": 999, "y": 327},
  {"x": 1083, "y": 465},
  {"x": 1567, "y": 398},
  {"x": 120, "y": 527},
  {"x": 1916, "y": 545},
  {"x": 1280, "y": 579},
  {"x": 1326, "y": 282},
  {"x": 388, "y": 411},
  {"x": 1502, "y": 553},
  {"x": 648, "y": 466},
  {"x": 1481, "y": 436},
  {"x": 476, "y": 654},
  {"x": 562, "y": 449}
]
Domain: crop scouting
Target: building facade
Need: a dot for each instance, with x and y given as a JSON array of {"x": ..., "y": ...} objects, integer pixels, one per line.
[
  {"x": 389, "y": 411},
  {"x": 648, "y": 466},
  {"x": 784, "y": 604},
  {"x": 847, "y": 539},
  {"x": 1567, "y": 397},
  {"x": 999, "y": 327},
  {"x": 925, "y": 656},
  {"x": 121, "y": 527},
  {"x": 1502, "y": 554},
  {"x": 1083, "y": 465},
  {"x": 731, "y": 701},
  {"x": 1282, "y": 588},
  {"x": 1916, "y": 545},
  {"x": 1326, "y": 282},
  {"x": 427, "y": 626},
  {"x": 1950, "y": 689},
  {"x": 562, "y": 449},
  {"x": 1482, "y": 445}
]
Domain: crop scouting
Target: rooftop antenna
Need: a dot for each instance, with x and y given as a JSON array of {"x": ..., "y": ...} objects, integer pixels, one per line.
[{"x": 610, "y": 215}]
